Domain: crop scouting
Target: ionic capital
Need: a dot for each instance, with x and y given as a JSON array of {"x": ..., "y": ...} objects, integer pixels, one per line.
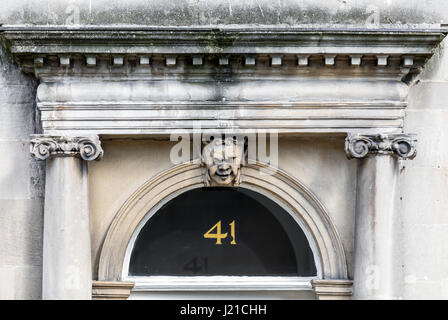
[
  {"x": 45, "y": 146},
  {"x": 399, "y": 145}
]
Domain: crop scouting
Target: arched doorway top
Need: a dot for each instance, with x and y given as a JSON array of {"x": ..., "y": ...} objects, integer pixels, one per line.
[{"x": 276, "y": 184}]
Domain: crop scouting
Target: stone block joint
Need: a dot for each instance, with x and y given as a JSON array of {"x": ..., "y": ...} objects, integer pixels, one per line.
[
  {"x": 87, "y": 148},
  {"x": 401, "y": 146}
]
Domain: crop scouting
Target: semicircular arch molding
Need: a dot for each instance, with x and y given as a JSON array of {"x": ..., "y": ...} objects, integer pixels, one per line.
[{"x": 276, "y": 184}]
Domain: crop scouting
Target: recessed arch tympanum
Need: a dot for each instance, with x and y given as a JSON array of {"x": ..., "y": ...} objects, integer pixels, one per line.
[{"x": 279, "y": 186}]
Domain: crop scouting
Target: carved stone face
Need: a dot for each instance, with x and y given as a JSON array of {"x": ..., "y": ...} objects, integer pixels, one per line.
[{"x": 223, "y": 161}]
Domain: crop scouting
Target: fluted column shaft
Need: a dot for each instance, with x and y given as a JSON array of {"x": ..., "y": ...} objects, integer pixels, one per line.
[
  {"x": 67, "y": 267},
  {"x": 376, "y": 200}
]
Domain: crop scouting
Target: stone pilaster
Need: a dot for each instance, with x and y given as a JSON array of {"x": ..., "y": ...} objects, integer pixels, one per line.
[
  {"x": 67, "y": 267},
  {"x": 376, "y": 200}
]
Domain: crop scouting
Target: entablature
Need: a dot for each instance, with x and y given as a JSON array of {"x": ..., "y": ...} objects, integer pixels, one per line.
[{"x": 159, "y": 80}]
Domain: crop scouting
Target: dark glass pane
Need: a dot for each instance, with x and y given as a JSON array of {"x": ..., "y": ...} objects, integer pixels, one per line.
[{"x": 267, "y": 240}]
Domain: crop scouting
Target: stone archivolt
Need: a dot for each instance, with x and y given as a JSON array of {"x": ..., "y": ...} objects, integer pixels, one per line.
[
  {"x": 43, "y": 147},
  {"x": 400, "y": 145}
]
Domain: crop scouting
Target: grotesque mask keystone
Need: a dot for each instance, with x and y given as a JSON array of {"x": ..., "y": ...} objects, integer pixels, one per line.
[{"x": 222, "y": 158}]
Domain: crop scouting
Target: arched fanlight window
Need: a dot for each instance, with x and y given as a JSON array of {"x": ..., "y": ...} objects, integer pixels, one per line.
[{"x": 221, "y": 232}]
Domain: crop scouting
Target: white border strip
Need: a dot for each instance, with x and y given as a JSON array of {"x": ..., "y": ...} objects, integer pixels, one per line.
[{"x": 220, "y": 283}]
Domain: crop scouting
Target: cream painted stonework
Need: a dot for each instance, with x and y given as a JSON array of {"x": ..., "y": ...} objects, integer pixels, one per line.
[{"x": 114, "y": 180}]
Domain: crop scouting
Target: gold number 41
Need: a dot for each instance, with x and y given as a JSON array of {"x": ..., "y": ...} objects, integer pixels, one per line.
[{"x": 218, "y": 235}]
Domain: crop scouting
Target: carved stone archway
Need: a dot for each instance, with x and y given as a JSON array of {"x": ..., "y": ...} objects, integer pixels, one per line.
[
  {"x": 287, "y": 191},
  {"x": 123, "y": 81}
]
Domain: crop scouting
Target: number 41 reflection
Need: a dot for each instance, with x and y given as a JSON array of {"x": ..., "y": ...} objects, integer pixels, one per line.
[
  {"x": 194, "y": 266},
  {"x": 218, "y": 235}
]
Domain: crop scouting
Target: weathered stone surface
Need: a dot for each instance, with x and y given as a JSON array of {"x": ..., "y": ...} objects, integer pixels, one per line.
[
  {"x": 20, "y": 282},
  {"x": 215, "y": 12},
  {"x": 21, "y": 187},
  {"x": 15, "y": 173},
  {"x": 375, "y": 222},
  {"x": 22, "y": 236},
  {"x": 423, "y": 188},
  {"x": 90, "y": 97}
]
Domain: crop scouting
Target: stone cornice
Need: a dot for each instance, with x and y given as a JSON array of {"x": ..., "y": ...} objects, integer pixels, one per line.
[
  {"x": 45, "y": 146},
  {"x": 223, "y": 39},
  {"x": 399, "y": 145},
  {"x": 31, "y": 45},
  {"x": 157, "y": 80}
]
